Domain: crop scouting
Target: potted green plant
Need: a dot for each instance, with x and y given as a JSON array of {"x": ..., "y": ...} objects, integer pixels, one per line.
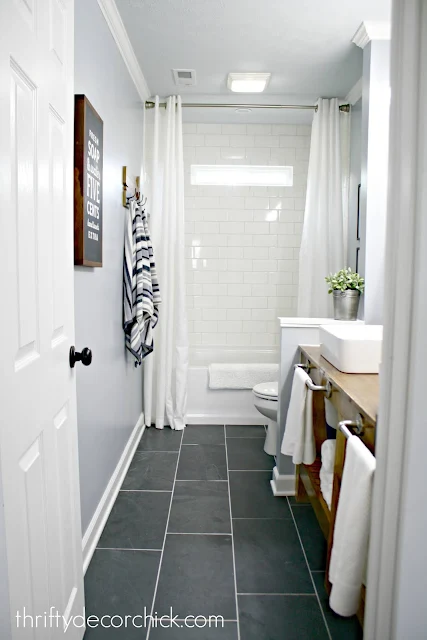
[{"x": 346, "y": 286}]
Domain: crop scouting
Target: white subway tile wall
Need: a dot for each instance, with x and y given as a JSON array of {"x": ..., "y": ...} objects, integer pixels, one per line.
[{"x": 242, "y": 243}]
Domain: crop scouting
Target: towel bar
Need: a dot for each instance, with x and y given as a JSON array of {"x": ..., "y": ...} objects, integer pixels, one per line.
[
  {"x": 306, "y": 367},
  {"x": 327, "y": 388},
  {"x": 355, "y": 424}
]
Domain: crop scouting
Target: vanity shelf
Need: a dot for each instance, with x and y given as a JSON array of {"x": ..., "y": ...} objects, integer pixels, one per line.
[{"x": 352, "y": 394}]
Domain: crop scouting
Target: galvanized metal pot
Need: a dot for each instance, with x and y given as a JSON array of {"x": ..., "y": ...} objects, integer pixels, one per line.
[{"x": 346, "y": 304}]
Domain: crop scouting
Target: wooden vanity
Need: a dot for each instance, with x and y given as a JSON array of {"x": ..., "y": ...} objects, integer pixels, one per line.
[{"x": 352, "y": 394}]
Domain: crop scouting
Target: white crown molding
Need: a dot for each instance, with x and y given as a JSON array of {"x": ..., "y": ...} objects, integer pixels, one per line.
[
  {"x": 355, "y": 93},
  {"x": 117, "y": 28},
  {"x": 371, "y": 31}
]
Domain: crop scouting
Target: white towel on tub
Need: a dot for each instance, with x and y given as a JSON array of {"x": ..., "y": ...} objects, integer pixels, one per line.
[
  {"x": 327, "y": 470},
  {"x": 241, "y": 376},
  {"x": 326, "y": 485},
  {"x": 328, "y": 455},
  {"x": 351, "y": 533},
  {"x": 298, "y": 440}
]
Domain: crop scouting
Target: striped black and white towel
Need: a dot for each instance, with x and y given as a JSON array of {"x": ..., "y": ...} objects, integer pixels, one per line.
[{"x": 141, "y": 295}]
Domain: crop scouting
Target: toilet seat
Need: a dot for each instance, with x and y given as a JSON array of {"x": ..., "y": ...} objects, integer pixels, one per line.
[{"x": 267, "y": 391}]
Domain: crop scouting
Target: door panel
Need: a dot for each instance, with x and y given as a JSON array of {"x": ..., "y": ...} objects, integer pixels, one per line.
[
  {"x": 38, "y": 429},
  {"x": 24, "y": 199}
]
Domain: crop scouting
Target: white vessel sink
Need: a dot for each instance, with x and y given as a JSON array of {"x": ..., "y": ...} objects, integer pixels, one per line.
[{"x": 352, "y": 348}]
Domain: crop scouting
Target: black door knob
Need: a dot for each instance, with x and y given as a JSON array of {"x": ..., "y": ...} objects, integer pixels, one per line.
[{"x": 85, "y": 356}]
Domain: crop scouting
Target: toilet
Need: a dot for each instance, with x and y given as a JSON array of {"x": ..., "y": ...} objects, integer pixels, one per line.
[{"x": 266, "y": 401}]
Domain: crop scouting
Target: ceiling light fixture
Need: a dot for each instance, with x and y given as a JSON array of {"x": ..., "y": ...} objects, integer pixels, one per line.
[
  {"x": 243, "y": 110},
  {"x": 248, "y": 82}
]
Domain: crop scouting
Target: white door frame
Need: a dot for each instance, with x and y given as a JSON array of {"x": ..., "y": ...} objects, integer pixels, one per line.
[{"x": 402, "y": 414}]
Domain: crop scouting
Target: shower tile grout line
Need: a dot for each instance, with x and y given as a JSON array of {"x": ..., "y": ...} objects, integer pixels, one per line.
[
  {"x": 232, "y": 538},
  {"x": 311, "y": 576},
  {"x": 164, "y": 538}
]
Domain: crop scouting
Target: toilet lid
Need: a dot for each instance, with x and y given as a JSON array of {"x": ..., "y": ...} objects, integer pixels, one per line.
[{"x": 267, "y": 390}]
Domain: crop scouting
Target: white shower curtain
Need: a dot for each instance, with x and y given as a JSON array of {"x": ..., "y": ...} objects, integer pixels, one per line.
[
  {"x": 165, "y": 370},
  {"x": 324, "y": 238}
]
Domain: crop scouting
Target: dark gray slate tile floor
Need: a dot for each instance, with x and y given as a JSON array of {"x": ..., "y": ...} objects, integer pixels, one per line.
[{"x": 196, "y": 527}]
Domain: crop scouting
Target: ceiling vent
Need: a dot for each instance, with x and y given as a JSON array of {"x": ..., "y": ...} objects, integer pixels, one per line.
[{"x": 184, "y": 77}]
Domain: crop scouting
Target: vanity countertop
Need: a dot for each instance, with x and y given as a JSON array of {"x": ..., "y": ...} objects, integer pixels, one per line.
[{"x": 362, "y": 388}]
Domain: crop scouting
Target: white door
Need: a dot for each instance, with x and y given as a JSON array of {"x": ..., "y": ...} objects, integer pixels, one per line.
[{"x": 38, "y": 430}]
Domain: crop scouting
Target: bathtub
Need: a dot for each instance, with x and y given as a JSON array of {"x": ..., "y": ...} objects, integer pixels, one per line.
[{"x": 222, "y": 406}]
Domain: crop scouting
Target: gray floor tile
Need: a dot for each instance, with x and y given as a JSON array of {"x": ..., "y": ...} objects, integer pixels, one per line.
[
  {"x": 243, "y": 431},
  {"x": 294, "y": 503},
  {"x": 160, "y": 439},
  {"x": 248, "y": 453},
  {"x": 340, "y": 628},
  {"x": 197, "y": 577},
  {"x": 120, "y": 583},
  {"x": 137, "y": 521},
  {"x": 202, "y": 462},
  {"x": 313, "y": 540},
  {"x": 203, "y": 434},
  {"x": 226, "y": 632},
  {"x": 200, "y": 507},
  {"x": 281, "y": 618},
  {"x": 251, "y": 496},
  {"x": 269, "y": 558},
  {"x": 151, "y": 470}
]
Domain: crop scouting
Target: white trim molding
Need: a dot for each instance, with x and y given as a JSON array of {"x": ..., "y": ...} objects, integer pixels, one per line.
[
  {"x": 117, "y": 28},
  {"x": 394, "y": 610},
  {"x": 103, "y": 510},
  {"x": 371, "y": 31},
  {"x": 282, "y": 485},
  {"x": 355, "y": 93}
]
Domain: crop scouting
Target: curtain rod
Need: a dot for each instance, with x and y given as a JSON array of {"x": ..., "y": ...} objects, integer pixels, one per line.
[{"x": 150, "y": 105}]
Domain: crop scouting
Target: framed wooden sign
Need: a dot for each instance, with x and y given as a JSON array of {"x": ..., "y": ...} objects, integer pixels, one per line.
[{"x": 88, "y": 161}]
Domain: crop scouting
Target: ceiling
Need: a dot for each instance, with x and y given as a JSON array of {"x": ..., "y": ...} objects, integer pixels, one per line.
[{"x": 305, "y": 44}]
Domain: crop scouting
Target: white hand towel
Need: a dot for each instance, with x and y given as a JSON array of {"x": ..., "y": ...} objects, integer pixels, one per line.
[
  {"x": 298, "y": 440},
  {"x": 328, "y": 455},
  {"x": 351, "y": 533}
]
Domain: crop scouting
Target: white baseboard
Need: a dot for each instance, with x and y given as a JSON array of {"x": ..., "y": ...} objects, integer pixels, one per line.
[
  {"x": 97, "y": 524},
  {"x": 282, "y": 485},
  {"x": 220, "y": 418}
]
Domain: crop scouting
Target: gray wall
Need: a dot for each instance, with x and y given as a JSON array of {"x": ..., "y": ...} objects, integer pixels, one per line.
[{"x": 109, "y": 392}]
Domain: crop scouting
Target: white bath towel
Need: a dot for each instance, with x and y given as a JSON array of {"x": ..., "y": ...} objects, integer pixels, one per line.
[
  {"x": 326, "y": 485},
  {"x": 241, "y": 376},
  {"x": 351, "y": 533},
  {"x": 298, "y": 440},
  {"x": 328, "y": 455}
]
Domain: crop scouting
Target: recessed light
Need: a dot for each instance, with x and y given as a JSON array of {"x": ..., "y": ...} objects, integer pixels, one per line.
[
  {"x": 248, "y": 82},
  {"x": 243, "y": 110}
]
